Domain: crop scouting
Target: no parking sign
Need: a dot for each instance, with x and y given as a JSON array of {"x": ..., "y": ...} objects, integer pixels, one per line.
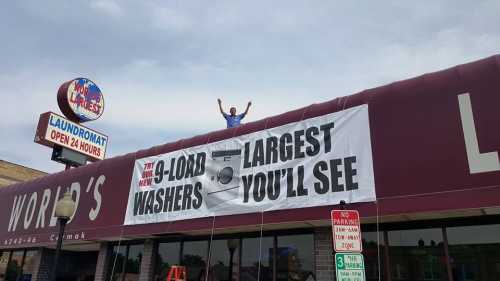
[{"x": 346, "y": 231}]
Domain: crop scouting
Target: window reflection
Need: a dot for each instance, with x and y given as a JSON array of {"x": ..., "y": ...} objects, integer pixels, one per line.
[
  {"x": 125, "y": 263},
  {"x": 168, "y": 255},
  {"x": 116, "y": 263},
  {"x": 133, "y": 265},
  {"x": 250, "y": 259},
  {"x": 223, "y": 253},
  {"x": 417, "y": 255},
  {"x": 475, "y": 252},
  {"x": 294, "y": 257},
  {"x": 28, "y": 265},
  {"x": 371, "y": 246},
  {"x": 4, "y": 259},
  {"x": 194, "y": 258},
  {"x": 14, "y": 266}
]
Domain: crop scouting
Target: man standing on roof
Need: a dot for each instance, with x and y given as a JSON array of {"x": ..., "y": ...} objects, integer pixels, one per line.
[{"x": 232, "y": 119}]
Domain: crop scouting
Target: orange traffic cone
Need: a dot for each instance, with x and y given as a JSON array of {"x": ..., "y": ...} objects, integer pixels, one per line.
[{"x": 177, "y": 273}]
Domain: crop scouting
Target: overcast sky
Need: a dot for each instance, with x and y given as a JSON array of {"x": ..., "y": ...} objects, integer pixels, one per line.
[{"x": 162, "y": 64}]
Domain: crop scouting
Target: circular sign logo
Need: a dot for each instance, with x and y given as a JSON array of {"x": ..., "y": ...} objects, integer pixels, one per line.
[{"x": 80, "y": 100}]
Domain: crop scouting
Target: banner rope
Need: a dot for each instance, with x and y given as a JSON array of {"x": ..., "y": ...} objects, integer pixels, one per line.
[
  {"x": 210, "y": 249},
  {"x": 116, "y": 255}
]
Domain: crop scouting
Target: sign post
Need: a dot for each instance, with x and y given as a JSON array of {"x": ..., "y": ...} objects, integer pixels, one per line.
[{"x": 346, "y": 230}]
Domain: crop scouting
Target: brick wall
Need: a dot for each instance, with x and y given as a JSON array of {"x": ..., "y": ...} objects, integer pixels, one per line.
[
  {"x": 37, "y": 260},
  {"x": 148, "y": 260},
  {"x": 43, "y": 264},
  {"x": 102, "y": 262},
  {"x": 323, "y": 255}
]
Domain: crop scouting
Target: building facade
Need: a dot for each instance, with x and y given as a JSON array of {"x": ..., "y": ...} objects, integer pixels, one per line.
[
  {"x": 11, "y": 173},
  {"x": 425, "y": 180}
]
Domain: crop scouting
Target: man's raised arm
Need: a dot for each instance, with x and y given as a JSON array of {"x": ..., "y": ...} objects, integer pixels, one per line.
[
  {"x": 220, "y": 107},
  {"x": 248, "y": 107}
]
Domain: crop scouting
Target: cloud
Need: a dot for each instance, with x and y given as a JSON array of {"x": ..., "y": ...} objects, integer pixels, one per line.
[
  {"x": 110, "y": 8},
  {"x": 170, "y": 19}
]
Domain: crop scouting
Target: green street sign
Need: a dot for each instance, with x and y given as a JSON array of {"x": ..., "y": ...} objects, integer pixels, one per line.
[{"x": 350, "y": 267}]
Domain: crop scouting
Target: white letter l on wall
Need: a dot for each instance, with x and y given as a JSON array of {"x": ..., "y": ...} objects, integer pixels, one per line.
[{"x": 478, "y": 162}]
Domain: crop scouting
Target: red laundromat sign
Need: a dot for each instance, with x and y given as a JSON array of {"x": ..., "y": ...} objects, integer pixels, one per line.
[{"x": 346, "y": 231}]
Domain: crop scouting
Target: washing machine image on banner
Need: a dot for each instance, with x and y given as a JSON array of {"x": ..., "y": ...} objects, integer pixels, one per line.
[{"x": 224, "y": 175}]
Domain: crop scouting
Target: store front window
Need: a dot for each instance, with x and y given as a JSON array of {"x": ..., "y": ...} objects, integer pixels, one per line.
[
  {"x": 133, "y": 265},
  {"x": 278, "y": 258},
  {"x": 222, "y": 259},
  {"x": 252, "y": 249},
  {"x": 168, "y": 255},
  {"x": 294, "y": 257},
  {"x": 14, "y": 266},
  {"x": 194, "y": 258},
  {"x": 28, "y": 267},
  {"x": 125, "y": 263},
  {"x": 475, "y": 252},
  {"x": 4, "y": 260},
  {"x": 374, "y": 260},
  {"x": 417, "y": 254},
  {"x": 116, "y": 263},
  {"x": 18, "y": 265},
  {"x": 73, "y": 265}
]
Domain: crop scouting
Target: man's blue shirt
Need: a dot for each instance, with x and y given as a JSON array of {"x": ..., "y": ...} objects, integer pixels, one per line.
[{"x": 233, "y": 121}]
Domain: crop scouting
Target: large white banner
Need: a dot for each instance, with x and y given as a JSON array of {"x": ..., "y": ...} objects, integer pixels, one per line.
[{"x": 315, "y": 162}]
